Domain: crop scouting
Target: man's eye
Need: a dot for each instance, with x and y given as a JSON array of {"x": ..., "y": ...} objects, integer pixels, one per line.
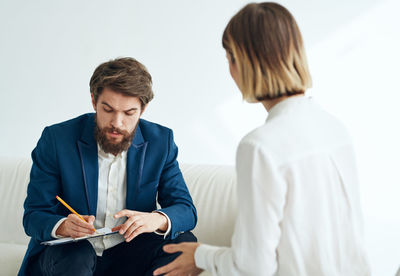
[
  {"x": 129, "y": 113},
  {"x": 108, "y": 110}
]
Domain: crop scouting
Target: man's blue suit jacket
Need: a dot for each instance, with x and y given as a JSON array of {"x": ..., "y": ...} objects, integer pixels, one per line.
[{"x": 65, "y": 163}]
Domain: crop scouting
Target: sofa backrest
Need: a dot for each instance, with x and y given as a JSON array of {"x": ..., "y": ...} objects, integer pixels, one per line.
[{"x": 212, "y": 189}]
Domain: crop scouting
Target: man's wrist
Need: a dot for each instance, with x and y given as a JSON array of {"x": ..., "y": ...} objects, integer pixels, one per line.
[
  {"x": 56, "y": 229},
  {"x": 163, "y": 222}
]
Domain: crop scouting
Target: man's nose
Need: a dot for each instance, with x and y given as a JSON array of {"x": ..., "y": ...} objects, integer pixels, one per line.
[{"x": 117, "y": 121}]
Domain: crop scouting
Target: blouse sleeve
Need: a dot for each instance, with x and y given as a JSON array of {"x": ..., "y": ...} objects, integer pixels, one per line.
[{"x": 261, "y": 198}]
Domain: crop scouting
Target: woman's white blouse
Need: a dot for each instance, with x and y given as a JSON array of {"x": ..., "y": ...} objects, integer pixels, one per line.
[{"x": 298, "y": 200}]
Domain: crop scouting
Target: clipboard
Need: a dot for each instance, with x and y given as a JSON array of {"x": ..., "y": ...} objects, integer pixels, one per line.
[{"x": 99, "y": 233}]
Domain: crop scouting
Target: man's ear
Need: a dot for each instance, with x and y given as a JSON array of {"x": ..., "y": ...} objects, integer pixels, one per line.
[{"x": 93, "y": 102}]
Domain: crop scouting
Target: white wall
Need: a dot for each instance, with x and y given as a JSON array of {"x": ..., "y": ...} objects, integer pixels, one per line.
[{"x": 49, "y": 49}]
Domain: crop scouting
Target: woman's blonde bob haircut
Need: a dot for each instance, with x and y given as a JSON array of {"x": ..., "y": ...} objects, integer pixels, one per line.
[{"x": 264, "y": 42}]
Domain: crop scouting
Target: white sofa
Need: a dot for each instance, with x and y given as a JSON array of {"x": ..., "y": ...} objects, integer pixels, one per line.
[{"x": 212, "y": 189}]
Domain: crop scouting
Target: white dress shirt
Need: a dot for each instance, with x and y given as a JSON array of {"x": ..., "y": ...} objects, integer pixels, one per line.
[
  {"x": 110, "y": 200},
  {"x": 299, "y": 211},
  {"x": 111, "y": 197}
]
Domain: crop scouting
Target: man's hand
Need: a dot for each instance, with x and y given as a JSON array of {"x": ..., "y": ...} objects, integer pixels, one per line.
[
  {"x": 140, "y": 222},
  {"x": 74, "y": 227},
  {"x": 184, "y": 264}
]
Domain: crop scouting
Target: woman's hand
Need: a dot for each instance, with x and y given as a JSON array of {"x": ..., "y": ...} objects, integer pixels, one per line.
[{"x": 184, "y": 264}]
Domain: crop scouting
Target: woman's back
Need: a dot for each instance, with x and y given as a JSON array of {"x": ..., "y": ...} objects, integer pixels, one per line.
[{"x": 311, "y": 180}]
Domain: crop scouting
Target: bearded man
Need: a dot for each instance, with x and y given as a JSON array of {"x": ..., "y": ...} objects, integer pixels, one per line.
[{"x": 112, "y": 167}]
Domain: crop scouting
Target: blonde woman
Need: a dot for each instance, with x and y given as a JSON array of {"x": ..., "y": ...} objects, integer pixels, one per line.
[{"x": 299, "y": 210}]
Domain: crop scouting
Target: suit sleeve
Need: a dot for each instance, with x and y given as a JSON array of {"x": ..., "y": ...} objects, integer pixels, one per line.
[
  {"x": 173, "y": 194},
  {"x": 40, "y": 204},
  {"x": 261, "y": 198}
]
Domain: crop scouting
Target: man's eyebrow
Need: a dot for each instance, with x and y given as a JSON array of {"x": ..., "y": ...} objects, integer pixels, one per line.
[
  {"x": 132, "y": 109},
  {"x": 107, "y": 105},
  {"x": 128, "y": 110}
]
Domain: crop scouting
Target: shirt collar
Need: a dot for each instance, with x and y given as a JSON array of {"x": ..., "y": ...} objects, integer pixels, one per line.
[{"x": 287, "y": 105}]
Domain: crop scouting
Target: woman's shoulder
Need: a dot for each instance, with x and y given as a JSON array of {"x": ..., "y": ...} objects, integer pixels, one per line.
[
  {"x": 268, "y": 133},
  {"x": 261, "y": 139},
  {"x": 291, "y": 135}
]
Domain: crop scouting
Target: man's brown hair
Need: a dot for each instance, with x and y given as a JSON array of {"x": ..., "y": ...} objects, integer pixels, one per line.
[
  {"x": 123, "y": 75},
  {"x": 265, "y": 43}
]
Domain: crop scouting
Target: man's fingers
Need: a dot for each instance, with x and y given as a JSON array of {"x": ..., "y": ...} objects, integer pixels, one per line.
[
  {"x": 79, "y": 229},
  {"x": 84, "y": 231},
  {"x": 134, "y": 224},
  {"x": 89, "y": 219},
  {"x": 135, "y": 233},
  {"x": 75, "y": 234},
  {"x": 125, "y": 226},
  {"x": 117, "y": 228},
  {"x": 124, "y": 213},
  {"x": 74, "y": 231},
  {"x": 76, "y": 220}
]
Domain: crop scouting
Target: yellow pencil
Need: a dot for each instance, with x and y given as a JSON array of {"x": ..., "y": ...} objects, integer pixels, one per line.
[{"x": 72, "y": 210}]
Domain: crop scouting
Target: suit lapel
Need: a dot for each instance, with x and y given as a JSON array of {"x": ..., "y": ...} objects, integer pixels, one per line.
[
  {"x": 88, "y": 154},
  {"x": 134, "y": 168}
]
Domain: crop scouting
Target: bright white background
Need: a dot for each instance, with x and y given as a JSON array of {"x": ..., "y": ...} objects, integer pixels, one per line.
[{"x": 49, "y": 49}]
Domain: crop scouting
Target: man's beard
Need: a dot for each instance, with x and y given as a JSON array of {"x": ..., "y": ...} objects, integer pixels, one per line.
[{"x": 109, "y": 147}]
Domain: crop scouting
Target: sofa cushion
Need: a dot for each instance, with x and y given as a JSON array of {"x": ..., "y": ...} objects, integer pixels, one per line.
[
  {"x": 14, "y": 178},
  {"x": 11, "y": 256}
]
